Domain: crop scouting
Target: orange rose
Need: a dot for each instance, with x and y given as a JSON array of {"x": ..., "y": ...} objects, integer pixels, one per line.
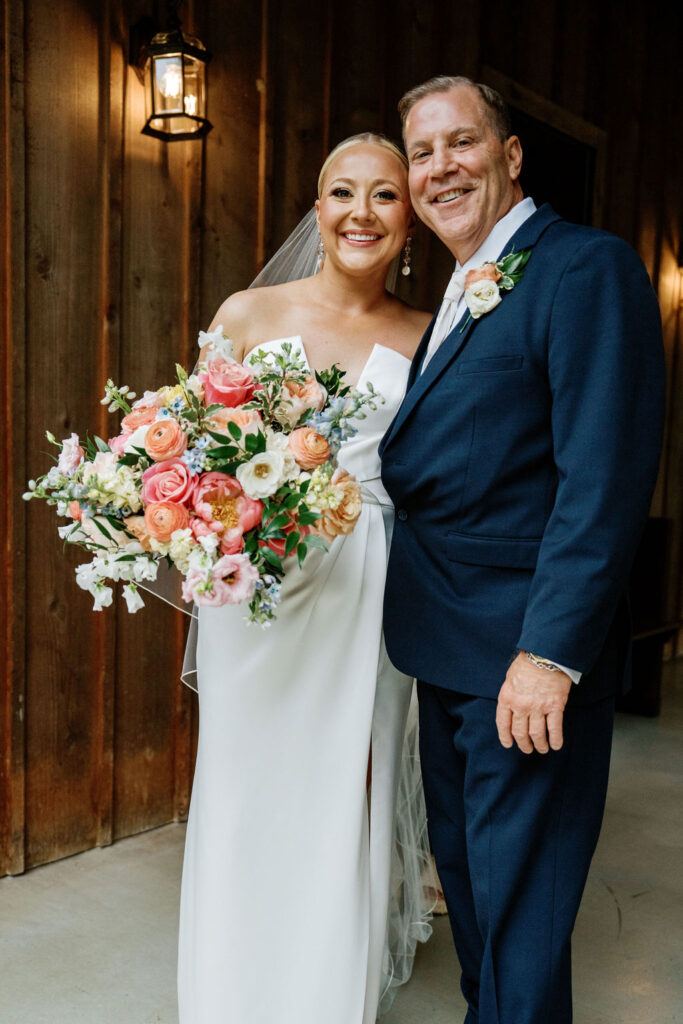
[
  {"x": 343, "y": 518},
  {"x": 309, "y": 448},
  {"x": 165, "y": 440},
  {"x": 162, "y": 518},
  {"x": 248, "y": 420},
  {"x": 136, "y": 526},
  {"x": 487, "y": 272},
  {"x": 138, "y": 418}
]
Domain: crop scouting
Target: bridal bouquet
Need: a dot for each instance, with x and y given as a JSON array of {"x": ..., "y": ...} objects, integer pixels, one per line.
[{"x": 224, "y": 474}]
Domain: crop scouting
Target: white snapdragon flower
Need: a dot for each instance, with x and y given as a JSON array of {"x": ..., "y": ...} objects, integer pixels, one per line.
[
  {"x": 262, "y": 475},
  {"x": 144, "y": 569},
  {"x": 88, "y": 574},
  {"x": 217, "y": 343},
  {"x": 180, "y": 548},
  {"x": 195, "y": 386},
  {"x": 102, "y": 595},
  {"x": 133, "y": 599}
]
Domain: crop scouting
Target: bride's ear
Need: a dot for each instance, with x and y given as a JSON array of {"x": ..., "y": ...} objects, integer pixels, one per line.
[{"x": 317, "y": 213}]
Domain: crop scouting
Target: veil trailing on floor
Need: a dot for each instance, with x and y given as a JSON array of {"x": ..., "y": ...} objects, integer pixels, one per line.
[{"x": 412, "y": 879}]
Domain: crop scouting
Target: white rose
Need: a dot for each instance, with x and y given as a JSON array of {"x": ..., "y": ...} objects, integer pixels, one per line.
[
  {"x": 261, "y": 477},
  {"x": 481, "y": 297},
  {"x": 276, "y": 441},
  {"x": 136, "y": 439}
]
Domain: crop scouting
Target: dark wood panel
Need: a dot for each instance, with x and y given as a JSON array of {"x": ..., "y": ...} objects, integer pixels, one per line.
[{"x": 12, "y": 448}]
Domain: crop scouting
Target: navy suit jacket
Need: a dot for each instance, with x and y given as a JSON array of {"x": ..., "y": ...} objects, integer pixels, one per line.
[{"x": 522, "y": 464}]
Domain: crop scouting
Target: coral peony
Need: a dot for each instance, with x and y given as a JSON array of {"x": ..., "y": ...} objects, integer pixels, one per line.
[{"x": 222, "y": 505}]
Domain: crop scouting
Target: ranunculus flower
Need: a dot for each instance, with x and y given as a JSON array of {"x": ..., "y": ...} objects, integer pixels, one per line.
[
  {"x": 248, "y": 420},
  {"x": 163, "y": 517},
  {"x": 343, "y": 518},
  {"x": 165, "y": 440},
  {"x": 168, "y": 481},
  {"x": 229, "y": 384},
  {"x": 487, "y": 272},
  {"x": 222, "y": 505},
  {"x": 70, "y": 455},
  {"x": 309, "y": 448},
  {"x": 231, "y": 580},
  {"x": 262, "y": 475},
  {"x": 138, "y": 418},
  {"x": 482, "y": 297}
]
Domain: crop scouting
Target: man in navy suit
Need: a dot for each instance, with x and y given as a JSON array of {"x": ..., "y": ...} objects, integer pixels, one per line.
[{"x": 521, "y": 465}]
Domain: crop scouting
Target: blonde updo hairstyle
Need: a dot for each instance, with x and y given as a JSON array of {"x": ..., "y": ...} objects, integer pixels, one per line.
[{"x": 364, "y": 138}]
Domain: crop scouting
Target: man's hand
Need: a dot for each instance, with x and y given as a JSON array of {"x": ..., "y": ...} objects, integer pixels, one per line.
[{"x": 531, "y": 706}]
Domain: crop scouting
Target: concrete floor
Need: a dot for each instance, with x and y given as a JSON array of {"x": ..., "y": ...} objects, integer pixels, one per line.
[{"x": 92, "y": 939}]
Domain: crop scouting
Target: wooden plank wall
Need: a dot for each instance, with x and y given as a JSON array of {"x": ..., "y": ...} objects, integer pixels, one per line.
[{"x": 116, "y": 248}]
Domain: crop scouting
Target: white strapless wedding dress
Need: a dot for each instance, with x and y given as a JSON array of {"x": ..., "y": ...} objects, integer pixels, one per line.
[{"x": 290, "y": 865}]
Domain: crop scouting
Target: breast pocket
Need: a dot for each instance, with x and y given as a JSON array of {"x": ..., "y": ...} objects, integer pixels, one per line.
[{"x": 491, "y": 364}]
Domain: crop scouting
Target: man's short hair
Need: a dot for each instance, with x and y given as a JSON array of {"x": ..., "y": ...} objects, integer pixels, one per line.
[{"x": 495, "y": 107}]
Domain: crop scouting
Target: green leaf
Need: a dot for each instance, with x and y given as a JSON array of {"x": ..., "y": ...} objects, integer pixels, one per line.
[
  {"x": 506, "y": 283},
  {"x": 304, "y": 485},
  {"x": 255, "y": 443},
  {"x": 291, "y": 542},
  {"x": 224, "y": 451},
  {"x": 307, "y": 518},
  {"x": 234, "y": 430},
  {"x": 278, "y": 521},
  {"x": 102, "y": 529},
  {"x": 291, "y": 501},
  {"x": 270, "y": 557},
  {"x": 221, "y": 438},
  {"x": 313, "y": 541},
  {"x": 301, "y": 553},
  {"x": 116, "y": 523},
  {"x": 190, "y": 415},
  {"x": 211, "y": 409},
  {"x": 102, "y": 445}
]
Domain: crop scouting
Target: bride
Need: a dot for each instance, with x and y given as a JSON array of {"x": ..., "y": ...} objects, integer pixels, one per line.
[{"x": 298, "y": 904}]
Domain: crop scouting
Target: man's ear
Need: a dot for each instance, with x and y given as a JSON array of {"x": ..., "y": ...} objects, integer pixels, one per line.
[{"x": 513, "y": 153}]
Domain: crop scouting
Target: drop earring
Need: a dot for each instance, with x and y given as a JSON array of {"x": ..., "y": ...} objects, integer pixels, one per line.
[
  {"x": 406, "y": 256},
  {"x": 320, "y": 254}
]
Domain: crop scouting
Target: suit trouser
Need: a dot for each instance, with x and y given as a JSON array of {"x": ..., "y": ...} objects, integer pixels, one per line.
[{"x": 513, "y": 836}]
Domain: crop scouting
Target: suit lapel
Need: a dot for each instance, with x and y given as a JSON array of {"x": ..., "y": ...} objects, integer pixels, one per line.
[{"x": 419, "y": 383}]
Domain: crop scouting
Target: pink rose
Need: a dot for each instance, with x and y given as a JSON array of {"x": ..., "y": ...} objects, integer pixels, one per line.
[
  {"x": 232, "y": 580},
  {"x": 163, "y": 518},
  {"x": 165, "y": 440},
  {"x": 138, "y": 418},
  {"x": 149, "y": 399},
  {"x": 222, "y": 504},
  {"x": 227, "y": 383},
  {"x": 487, "y": 272},
  {"x": 70, "y": 455},
  {"x": 118, "y": 444},
  {"x": 168, "y": 481}
]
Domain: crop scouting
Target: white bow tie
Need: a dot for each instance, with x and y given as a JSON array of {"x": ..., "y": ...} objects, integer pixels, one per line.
[{"x": 445, "y": 321}]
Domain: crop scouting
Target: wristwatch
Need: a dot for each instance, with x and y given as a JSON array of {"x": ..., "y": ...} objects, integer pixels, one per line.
[{"x": 549, "y": 666}]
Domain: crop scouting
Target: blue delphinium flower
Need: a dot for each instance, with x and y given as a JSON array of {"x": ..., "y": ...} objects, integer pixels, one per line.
[{"x": 195, "y": 460}]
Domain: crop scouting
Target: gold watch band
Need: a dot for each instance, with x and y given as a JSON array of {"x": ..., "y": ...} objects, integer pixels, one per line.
[{"x": 549, "y": 666}]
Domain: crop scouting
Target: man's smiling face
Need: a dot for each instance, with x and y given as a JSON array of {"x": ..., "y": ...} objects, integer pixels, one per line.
[{"x": 463, "y": 179}]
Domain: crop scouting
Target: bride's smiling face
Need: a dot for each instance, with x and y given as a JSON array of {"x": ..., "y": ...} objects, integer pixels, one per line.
[{"x": 364, "y": 213}]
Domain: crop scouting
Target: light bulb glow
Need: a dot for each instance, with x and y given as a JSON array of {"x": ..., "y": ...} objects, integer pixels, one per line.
[
  {"x": 171, "y": 82},
  {"x": 191, "y": 105}
]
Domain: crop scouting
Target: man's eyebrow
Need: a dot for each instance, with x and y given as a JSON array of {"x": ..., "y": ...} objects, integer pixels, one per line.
[{"x": 460, "y": 130}]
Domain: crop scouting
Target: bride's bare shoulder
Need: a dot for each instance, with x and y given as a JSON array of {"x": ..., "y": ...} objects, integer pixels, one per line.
[{"x": 247, "y": 316}]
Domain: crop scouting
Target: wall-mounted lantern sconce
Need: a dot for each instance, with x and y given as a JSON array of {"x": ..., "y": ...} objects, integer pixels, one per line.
[{"x": 173, "y": 67}]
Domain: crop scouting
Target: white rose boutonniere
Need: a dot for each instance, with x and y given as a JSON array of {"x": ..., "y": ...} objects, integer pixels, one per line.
[{"x": 483, "y": 285}]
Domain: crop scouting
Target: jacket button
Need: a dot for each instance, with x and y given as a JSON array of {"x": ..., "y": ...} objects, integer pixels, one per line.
[{"x": 402, "y": 515}]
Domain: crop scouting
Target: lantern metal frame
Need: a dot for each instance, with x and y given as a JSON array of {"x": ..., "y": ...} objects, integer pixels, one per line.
[{"x": 149, "y": 44}]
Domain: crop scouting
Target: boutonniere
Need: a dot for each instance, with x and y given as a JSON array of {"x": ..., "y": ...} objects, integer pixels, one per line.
[{"x": 484, "y": 284}]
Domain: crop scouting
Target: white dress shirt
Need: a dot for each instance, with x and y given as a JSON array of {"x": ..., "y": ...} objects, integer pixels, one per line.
[{"x": 454, "y": 306}]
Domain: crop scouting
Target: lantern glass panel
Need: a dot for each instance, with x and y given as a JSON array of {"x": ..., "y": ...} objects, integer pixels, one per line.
[{"x": 168, "y": 83}]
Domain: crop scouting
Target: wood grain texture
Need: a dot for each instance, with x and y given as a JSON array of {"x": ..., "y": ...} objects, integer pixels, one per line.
[{"x": 117, "y": 248}]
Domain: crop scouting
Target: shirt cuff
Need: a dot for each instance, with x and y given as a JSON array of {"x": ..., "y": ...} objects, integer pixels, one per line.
[{"x": 571, "y": 672}]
